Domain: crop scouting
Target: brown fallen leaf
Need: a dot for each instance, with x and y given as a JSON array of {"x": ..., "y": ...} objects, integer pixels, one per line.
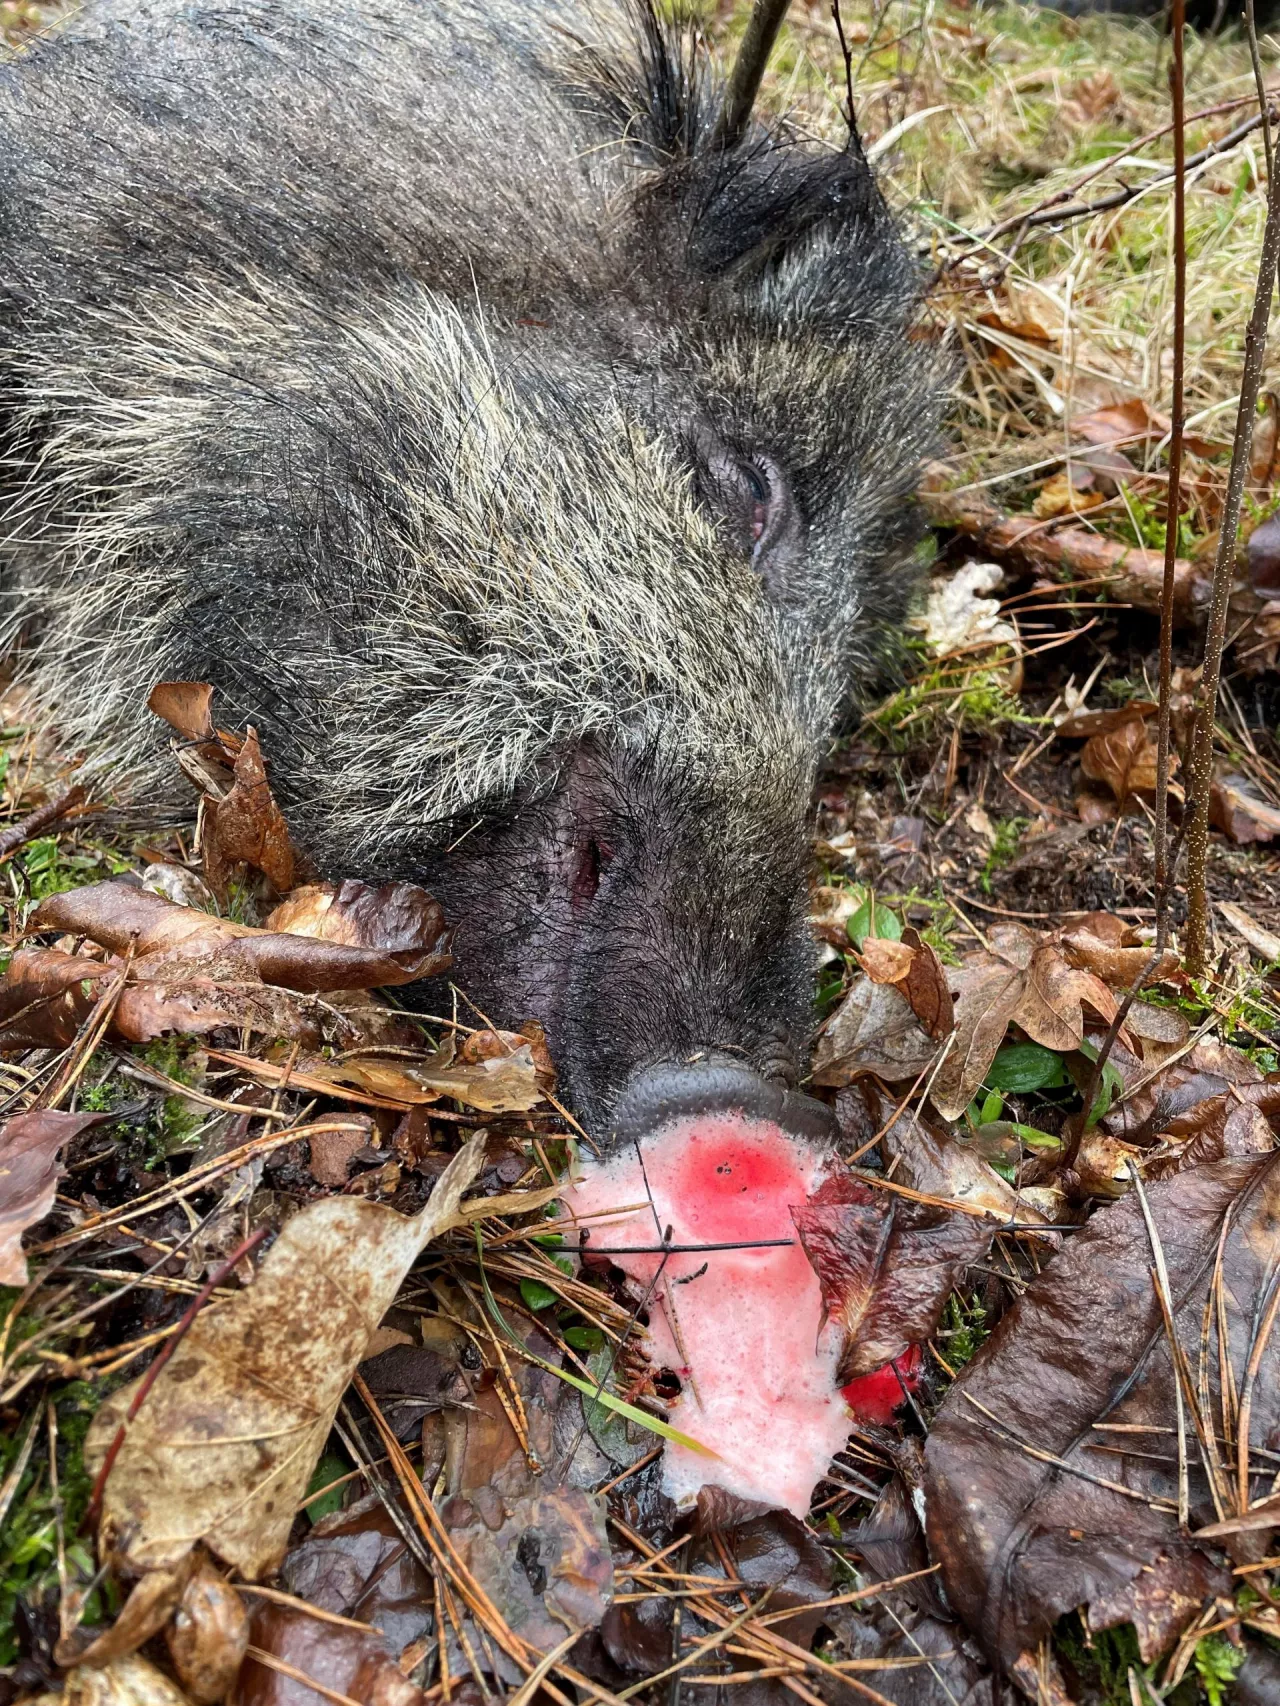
[
  {"x": 173, "y": 943},
  {"x": 29, "y": 1174},
  {"x": 132, "y": 1681},
  {"x": 1082, "y": 724},
  {"x": 225, "y": 1443},
  {"x": 1264, "y": 554},
  {"x": 1044, "y": 1491},
  {"x": 886, "y": 1266},
  {"x": 872, "y": 1031},
  {"x": 246, "y": 826},
  {"x": 1105, "y": 944},
  {"x": 151, "y": 1603},
  {"x": 1265, "y": 943},
  {"x": 916, "y": 972},
  {"x": 1025, "y": 980},
  {"x": 1066, "y": 494},
  {"x": 208, "y": 1636},
  {"x": 240, "y": 822},
  {"x": 354, "y": 1664},
  {"x": 1124, "y": 759},
  {"x": 1236, "y": 809}
]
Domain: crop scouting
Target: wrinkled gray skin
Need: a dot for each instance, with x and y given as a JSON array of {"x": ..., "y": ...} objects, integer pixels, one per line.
[{"x": 533, "y": 474}]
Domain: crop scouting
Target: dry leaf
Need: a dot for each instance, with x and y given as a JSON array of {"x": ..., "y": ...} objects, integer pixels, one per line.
[
  {"x": 1265, "y": 943},
  {"x": 885, "y": 961},
  {"x": 29, "y": 1174},
  {"x": 187, "y": 707},
  {"x": 1105, "y": 944},
  {"x": 1026, "y": 981},
  {"x": 1121, "y": 423},
  {"x": 874, "y": 1030},
  {"x": 208, "y": 1636},
  {"x": 1236, "y": 810},
  {"x": 151, "y": 1603},
  {"x": 132, "y": 1681},
  {"x": 247, "y": 827},
  {"x": 1125, "y": 759},
  {"x": 1081, "y": 724},
  {"x": 226, "y": 1441},
  {"x": 1067, "y": 493},
  {"x": 1021, "y": 1539}
]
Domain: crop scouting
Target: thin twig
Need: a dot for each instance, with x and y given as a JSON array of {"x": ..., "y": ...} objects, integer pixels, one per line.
[
  {"x": 748, "y": 69},
  {"x": 1173, "y": 507},
  {"x": 1200, "y": 762},
  {"x": 41, "y": 819}
]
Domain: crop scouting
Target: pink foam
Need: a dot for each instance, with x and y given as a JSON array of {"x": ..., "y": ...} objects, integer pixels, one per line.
[{"x": 745, "y": 1335}]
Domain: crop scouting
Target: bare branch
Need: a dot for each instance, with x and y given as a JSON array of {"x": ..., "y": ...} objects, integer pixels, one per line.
[
  {"x": 748, "y": 69},
  {"x": 1200, "y": 762},
  {"x": 1173, "y": 507}
]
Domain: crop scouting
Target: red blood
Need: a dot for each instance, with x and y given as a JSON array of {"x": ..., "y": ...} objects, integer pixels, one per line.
[{"x": 874, "y": 1397}]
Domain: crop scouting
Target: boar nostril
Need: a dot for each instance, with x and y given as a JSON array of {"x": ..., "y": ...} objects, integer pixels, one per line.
[{"x": 593, "y": 861}]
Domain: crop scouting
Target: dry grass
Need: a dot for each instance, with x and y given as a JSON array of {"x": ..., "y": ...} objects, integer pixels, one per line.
[{"x": 977, "y": 115}]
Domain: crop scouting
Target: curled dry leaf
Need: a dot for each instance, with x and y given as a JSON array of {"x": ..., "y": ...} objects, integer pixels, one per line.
[
  {"x": 1044, "y": 1491},
  {"x": 886, "y": 1266},
  {"x": 1124, "y": 759},
  {"x": 171, "y": 943},
  {"x": 187, "y": 707},
  {"x": 208, "y": 1636},
  {"x": 1067, "y": 493},
  {"x": 29, "y": 1174},
  {"x": 132, "y": 1681},
  {"x": 246, "y": 826},
  {"x": 225, "y": 1443},
  {"x": 1083, "y": 725},
  {"x": 1105, "y": 944},
  {"x": 916, "y": 972},
  {"x": 151, "y": 1603}
]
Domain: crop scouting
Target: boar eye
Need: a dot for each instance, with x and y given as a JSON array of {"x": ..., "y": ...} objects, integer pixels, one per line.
[{"x": 758, "y": 489}]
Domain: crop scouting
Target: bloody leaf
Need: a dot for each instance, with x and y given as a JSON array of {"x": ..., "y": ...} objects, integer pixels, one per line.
[
  {"x": 1075, "y": 1389},
  {"x": 29, "y": 1174},
  {"x": 885, "y": 1265}
]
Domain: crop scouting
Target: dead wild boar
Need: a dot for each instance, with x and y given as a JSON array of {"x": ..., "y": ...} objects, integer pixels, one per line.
[{"x": 531, "y": 468}]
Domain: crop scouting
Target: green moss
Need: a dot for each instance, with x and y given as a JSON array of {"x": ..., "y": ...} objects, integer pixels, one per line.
[{"x": 1004, "y": 848}]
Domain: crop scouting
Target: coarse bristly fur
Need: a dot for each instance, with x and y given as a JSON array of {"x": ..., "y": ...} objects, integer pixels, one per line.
[{"x": 532, "y": 471}]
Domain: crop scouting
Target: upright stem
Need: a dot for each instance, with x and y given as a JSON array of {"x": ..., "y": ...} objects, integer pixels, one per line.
[
  {"x": 748, "y": 69},
  {"x": 1173, "y": 507},
  {"x": 1200, "y": 763}
]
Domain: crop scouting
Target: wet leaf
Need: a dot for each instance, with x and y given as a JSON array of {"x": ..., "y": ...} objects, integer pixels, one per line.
[
  {"x": 351, "y": 1662},
  {"x": 1264, "y": 554},
  {"x": 357, "y": 1565},
  {"x": 886, "y": 1266},
  {"x": 1105, "y": 944},
  {"x": 227, "y": 1439},
  {"x": 132, "y": 1681},
  {"x": 172, "y": 942},
  {"x": 29, "y": 1174},
  {"x": 246, "y": 826},
  {"x": 208, "y": 1636},
  {"x": 1025, "y": 980},
  {"x": 151, "y": 1603},
  {"x": 1074, "y": 1389}
]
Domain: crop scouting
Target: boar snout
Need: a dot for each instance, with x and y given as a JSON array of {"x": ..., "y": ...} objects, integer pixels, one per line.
[{"x": 711, "y": 1085}]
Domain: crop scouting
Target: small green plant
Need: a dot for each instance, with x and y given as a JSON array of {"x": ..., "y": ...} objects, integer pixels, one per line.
[
  {"x": 1004, "y": 848},
  {"x": 964, "y": 1328},
  {"x": 1217, "y": 1664}
]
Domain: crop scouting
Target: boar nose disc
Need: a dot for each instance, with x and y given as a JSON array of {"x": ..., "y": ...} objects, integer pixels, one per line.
[{"x": 716, "y": 1085}]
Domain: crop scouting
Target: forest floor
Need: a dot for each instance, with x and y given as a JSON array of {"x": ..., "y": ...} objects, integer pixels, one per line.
[{"x": 190, "y": 1067}]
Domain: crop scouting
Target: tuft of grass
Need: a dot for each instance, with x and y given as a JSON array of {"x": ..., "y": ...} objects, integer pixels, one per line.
[{"x": 1004, "y": 848}]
